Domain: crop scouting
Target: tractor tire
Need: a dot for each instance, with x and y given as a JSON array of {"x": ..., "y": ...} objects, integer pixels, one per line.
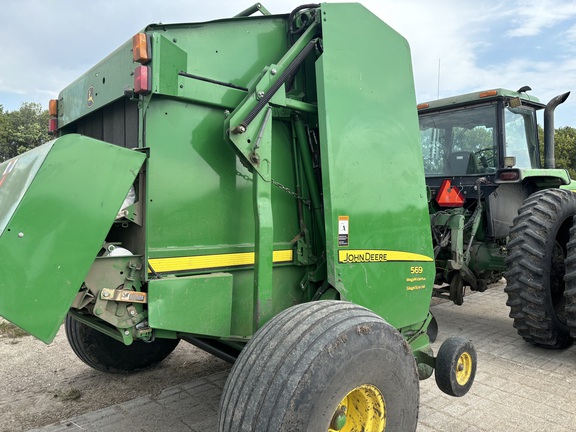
[
  {"x": 105, "y": 354},
  {"x": 325, "y": 365},
  {"x": 570, "y": 283},
  {"x": 535, "y": 275}
]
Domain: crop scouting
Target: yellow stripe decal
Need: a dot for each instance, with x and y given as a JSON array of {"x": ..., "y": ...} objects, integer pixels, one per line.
[
  {"x": 371, "y": 255},
  {"x": 202, "y": 262}
]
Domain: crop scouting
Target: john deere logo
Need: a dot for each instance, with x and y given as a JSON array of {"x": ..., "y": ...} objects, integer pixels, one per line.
[{"x": 90, "y": 100}]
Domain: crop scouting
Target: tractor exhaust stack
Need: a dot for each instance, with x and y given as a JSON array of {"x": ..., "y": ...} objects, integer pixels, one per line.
[{"x": 549, "y": 161}]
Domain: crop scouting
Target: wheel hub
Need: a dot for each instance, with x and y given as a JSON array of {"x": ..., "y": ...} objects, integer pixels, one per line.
[
  {"x": 464, "y": 368},
  {"x": 362, "y": 409}
]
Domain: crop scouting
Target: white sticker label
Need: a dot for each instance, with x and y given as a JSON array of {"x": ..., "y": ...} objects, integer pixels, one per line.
[{"x": 343, "y": 225}]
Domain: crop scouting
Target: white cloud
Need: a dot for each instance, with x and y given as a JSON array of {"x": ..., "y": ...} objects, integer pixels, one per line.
[
  {"x": 469, "y": 48},
  {"x": 58, "y": 41},
  {"x": 531, "y": 17}
]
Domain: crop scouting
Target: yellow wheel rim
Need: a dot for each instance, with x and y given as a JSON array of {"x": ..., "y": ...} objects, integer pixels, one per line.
[
  {"x": 464, "y": 368},
  {"x": 362, "y": 409}
]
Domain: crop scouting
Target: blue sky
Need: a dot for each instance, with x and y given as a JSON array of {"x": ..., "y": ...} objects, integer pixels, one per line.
[{"x": 458, "y": 46}]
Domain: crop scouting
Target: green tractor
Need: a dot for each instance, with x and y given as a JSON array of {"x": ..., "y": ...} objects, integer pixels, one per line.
[
  {"x": 495, "y": 210},
  {"x": 228, "y": 184}
]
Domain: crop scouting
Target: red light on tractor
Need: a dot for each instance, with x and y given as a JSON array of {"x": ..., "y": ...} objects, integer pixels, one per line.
[
  {"x": 53, "y": 126},
  {"x": 141, "y": 48},
  {"x": 449, "y": 196},
  {"x": 511, "y": 175},
  {"x": 142, "y": 80},
  {"x": 423, "y": 106}
]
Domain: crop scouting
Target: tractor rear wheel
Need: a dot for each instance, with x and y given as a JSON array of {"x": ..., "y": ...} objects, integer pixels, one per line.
[
  {"x": 105, "y": 354},
  {"x": 322, "y": 366},
  {"x": 570, "y": 282},
  {"x": 535, "y": 275}
]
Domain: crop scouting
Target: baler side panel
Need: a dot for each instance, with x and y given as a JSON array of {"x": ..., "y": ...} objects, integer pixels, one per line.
[
  {"x": 58, "y": 227},
  {"x": 200, "y": 205},
  {"x": 378, "y": 237}
]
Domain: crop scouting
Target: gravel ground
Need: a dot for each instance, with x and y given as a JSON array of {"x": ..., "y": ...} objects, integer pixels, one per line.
[{"x": 43, "y": 384}]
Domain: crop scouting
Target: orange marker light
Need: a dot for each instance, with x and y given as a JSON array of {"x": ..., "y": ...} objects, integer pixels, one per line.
[
  {"x": 53, "y": 107},
  {"x": 488, "y": 93},
  {"x": 449, "y": 196},
  {"x": 422, "y": 106},
  {"x": 141, "y": 48}
]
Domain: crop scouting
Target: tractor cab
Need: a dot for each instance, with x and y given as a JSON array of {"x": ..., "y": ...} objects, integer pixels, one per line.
[{"x": 477, "y": 136}]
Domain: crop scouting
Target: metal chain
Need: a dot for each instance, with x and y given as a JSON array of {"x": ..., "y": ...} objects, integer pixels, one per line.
[
  {"x": 291, "y": 192},
  {"x": 279, "y": 185},
  {"x": 244, "y": 176}
]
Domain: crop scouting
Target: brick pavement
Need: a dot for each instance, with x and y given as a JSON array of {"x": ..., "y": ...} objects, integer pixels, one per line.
[{"x": 518, "y": 387}]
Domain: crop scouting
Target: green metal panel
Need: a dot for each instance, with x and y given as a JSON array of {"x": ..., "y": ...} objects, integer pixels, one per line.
[
  {"x": 205, "y": 206},
  {"x": 68, "y": 193},
  {"x": 167, "y": 62},
  {"x": 205, "y": 203},
  {"x": 229, "y": 50},
  {"x": 16, "y": 176},
  {"x": 101, "y": 85},
  {"x": 193, "y": 304},
  {"x": 378, "y": 236}
]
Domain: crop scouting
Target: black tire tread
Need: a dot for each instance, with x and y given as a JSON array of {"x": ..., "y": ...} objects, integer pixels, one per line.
[
  {"x": 281, "y": 352},
  {"x": 529, "y": 248},
  {"x": 105, "y": 354},
  {"x": 446, "y": 361},
  {"x": 570, "y": 282}
]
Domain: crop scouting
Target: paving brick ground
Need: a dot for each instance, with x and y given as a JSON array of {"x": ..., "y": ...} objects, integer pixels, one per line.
[{"x": 518, "y": 387}]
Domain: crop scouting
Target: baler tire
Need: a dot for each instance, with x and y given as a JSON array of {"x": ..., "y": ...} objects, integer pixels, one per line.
[
  {"x": 105, "y": 354},
  {"x": 432, "y": 330},
  {"x": 302, "y": 366},
  {"x": 535, "y": 262},
  {"x": 455, "y": 366}
]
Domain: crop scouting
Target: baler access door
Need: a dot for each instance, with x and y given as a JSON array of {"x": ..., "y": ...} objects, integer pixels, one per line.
[{"x": 57, "y": 203}]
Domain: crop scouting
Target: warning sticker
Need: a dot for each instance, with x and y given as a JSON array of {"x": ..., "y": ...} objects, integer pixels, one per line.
[{"x": 343, "y": 225}]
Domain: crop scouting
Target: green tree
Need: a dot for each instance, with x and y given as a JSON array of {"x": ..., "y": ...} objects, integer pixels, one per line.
[
  {"x": 565, "y": 148},
  {"x": 565, "y": 143},
  {"x": 4, "y": 132},
  {"x": 22, "y": 129}
]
